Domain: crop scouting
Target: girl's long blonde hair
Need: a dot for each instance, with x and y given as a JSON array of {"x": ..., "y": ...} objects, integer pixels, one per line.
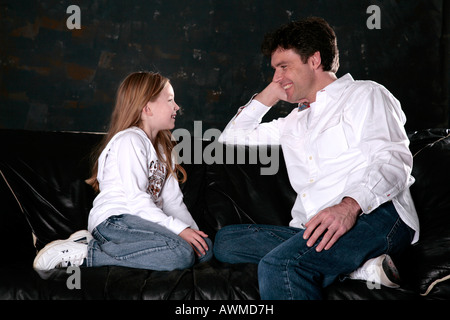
[{"x": 135, "y": 91}]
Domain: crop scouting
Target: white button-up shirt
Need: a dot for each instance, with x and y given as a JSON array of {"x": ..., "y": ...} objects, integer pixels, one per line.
[{"x": 351, "y": 142}]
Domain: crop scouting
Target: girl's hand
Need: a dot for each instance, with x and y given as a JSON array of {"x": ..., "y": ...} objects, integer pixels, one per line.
[{"x": 195, "y": 239}]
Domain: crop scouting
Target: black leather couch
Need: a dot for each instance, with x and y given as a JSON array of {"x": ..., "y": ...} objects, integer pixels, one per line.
[{"x": 44, "y": 197}]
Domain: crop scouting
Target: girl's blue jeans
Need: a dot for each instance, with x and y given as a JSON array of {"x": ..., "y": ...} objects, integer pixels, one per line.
[
  {"x": 290, "y": 270},
  {"x": 130, "y": 241}
]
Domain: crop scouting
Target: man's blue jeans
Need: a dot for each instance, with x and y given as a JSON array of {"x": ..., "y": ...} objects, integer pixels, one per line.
[
  {"x": 130, "y": 241},
  {"x": 290, "y": 270}
]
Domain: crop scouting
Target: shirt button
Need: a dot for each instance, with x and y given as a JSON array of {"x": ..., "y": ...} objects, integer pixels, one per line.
[
  {"x": 369, "y": 208},
  {"x": 310, "y": 157},
  {"x": 311, "y": 180},
  {"x": 304, "y": 195}
]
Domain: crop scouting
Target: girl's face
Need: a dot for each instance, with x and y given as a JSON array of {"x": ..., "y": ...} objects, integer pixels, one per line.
[{"x": 164, "y": 109}]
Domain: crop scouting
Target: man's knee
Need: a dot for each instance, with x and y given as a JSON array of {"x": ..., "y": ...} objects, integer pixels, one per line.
[
  {"x": 225, "y": 243},
  {"x": 222, "y": 245}
]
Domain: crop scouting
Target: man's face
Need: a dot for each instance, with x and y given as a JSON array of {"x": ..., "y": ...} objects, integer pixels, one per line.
[{"x": 296, "y": 78}]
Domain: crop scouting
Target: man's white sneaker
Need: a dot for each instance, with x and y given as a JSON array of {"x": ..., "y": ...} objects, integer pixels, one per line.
[
  {"x": 64, "y": 253},
  {"x": 378, "y": 270}
]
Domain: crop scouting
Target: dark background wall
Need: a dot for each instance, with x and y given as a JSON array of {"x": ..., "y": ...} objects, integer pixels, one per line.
[{"x": 54, "y": 78}]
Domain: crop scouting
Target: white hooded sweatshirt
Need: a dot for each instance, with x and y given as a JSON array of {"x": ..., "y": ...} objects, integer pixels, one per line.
[{"x": 133, "y": 181}]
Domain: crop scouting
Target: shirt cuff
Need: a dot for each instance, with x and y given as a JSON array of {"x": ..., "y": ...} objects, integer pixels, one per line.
[
  {"x": 253, "y": 110},
  {"x": 364, "y": 197}
]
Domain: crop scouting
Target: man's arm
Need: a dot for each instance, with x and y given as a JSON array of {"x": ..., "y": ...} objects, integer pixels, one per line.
[{"x": 246, "y": 128}]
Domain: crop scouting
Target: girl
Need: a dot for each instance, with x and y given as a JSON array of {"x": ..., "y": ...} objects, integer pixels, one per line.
[{"x": 138, "y": 218}]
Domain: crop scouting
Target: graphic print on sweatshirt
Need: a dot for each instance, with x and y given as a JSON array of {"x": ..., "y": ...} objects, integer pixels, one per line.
[{"x": 157, "y": 174}]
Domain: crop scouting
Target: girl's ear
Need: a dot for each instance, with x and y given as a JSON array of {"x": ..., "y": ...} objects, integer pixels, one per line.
[{"x": 147, "y": 110}]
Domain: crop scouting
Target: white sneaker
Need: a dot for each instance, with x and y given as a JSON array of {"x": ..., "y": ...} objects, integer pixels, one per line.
[
  {"x": 379, "y": 270},
  {"x": 64, "y": 253},
  {"x": 82, "y": 236}
]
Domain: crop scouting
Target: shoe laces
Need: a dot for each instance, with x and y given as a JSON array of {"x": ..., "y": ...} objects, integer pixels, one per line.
[
  {"x": 367, "y": 272},
  {"x": 83, "y": 240}
]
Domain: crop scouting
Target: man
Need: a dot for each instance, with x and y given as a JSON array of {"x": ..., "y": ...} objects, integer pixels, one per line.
[{"x": 347, "y": 156}]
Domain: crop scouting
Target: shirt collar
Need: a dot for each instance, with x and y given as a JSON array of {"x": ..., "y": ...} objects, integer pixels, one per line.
[
  {"x": 336, "y": 88},
  {"x": 331, "y": 92}
]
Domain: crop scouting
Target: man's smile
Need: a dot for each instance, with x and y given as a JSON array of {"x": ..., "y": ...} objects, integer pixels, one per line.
[{"x": 287, "y": 86}]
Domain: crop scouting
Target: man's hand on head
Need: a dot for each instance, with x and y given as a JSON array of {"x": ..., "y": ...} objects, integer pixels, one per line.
[{"x": 273, "y": 93}]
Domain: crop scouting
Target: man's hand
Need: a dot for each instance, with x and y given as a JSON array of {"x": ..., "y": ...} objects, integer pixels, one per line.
[
  {"x": 273, "y": 93},
  {"x": 195, "y": 239},
  {"x": 332, "y": 223}
]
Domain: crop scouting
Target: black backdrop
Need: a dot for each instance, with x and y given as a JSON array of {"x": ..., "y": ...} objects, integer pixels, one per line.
[{"x": 55, "y": 78}]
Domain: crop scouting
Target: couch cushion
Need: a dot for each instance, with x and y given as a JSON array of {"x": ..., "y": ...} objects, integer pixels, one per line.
[
  {"x": 15, "y": 233},
  {"x": 240, "y": 193},
  {"x": 206, "y": 281},
  {"x": 194, "y": 189},
  {"x": 46, "y": 172},
  {"x": 426, "y": 265}
]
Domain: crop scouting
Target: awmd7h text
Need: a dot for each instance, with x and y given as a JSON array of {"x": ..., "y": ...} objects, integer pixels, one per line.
[{"x": 226, "y": 309}]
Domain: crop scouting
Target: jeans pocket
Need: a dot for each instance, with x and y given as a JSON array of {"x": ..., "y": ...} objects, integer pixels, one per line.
[{"x": 101, "y": 232}]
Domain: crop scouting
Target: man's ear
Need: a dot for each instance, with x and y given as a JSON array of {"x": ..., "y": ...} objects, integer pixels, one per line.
[{"x": 315, "y": 60}]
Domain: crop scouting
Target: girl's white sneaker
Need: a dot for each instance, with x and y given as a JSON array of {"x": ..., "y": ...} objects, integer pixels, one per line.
[{"x": 64, "y": 253}]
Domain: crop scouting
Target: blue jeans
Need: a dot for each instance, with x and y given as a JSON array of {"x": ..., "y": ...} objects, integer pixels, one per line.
[
  {"x": 290, "y": 270},
  {"x": 130, "y": 241}
]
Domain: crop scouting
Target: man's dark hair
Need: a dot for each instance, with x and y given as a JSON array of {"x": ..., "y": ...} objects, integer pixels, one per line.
[{"x": 306, "y": 37}]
